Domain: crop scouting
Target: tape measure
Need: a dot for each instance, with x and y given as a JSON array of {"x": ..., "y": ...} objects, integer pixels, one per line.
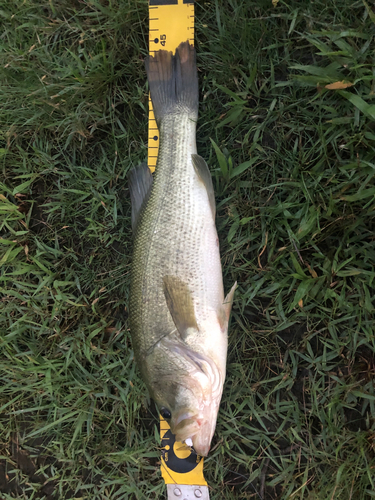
[
  {"x": 170, "y": 23},
  {"x": 179, "y": 464}
]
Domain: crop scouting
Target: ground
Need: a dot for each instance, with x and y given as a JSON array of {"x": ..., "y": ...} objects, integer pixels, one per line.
[{"x": 287, "y": 126}]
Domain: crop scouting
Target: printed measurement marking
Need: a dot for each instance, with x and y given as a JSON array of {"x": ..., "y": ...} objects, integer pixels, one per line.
[{"x": 164, "y": 2}]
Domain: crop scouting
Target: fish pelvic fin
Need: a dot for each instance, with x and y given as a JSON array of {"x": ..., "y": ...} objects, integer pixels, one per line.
[
  {"x": 180, "y": 304},
  {"x": 140, "y": 182},
  {"x": 224, "y": 313},
  {"x": 173, "y": 81}
]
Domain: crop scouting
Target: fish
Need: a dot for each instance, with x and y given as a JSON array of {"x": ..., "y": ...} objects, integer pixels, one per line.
[{"x": 177, "y": 310}]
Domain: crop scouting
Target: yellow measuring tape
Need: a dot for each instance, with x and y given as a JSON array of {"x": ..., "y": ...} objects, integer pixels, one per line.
[
  {"x": 170, "y": 23},
  {"x": 179, "y": 465}
]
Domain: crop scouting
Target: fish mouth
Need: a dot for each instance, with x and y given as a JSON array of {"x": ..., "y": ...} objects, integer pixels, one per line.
[
  {"x": 202, "y": 440},
  {"x": 197, "y": 429}
]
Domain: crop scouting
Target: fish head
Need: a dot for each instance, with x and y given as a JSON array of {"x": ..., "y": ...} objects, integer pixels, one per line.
[{"x": 190, "y": 398}]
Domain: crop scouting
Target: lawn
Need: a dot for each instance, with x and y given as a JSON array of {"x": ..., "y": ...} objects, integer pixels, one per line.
[{"x": 287, "y": 126}]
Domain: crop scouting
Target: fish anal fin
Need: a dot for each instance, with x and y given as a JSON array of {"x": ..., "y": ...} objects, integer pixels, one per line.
[
  {"x": 180, "y": 305},
  {"x": 140, "y": 183},
  {"x": 204, "y": 174}
]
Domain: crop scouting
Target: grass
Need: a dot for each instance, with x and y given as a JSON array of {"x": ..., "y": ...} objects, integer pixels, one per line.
[{"x": 293, "y": 167}]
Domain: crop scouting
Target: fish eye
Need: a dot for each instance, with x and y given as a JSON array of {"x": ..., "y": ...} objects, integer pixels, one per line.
[{"x": 165, "y": 413}]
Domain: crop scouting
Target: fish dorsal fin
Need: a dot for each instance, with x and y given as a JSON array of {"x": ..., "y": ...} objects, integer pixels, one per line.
[
  {"x": 204, "y": 174},
  {"x": 225, "y": 310},
  {"x": 140, "y": 182},
  {"x": 180, "y": 304}
]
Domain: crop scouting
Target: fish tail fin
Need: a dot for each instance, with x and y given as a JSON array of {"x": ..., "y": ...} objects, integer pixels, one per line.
[{"x": 173, "y": 81}]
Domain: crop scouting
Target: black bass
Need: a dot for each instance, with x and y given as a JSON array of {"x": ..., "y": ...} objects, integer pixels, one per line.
[{"x": 178, "y": 314}]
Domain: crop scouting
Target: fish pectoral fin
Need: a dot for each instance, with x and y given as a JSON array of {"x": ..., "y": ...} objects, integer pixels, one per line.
[
  {"x": 140, "y": 182},
  {"x": 180, "y": 305},
  {"x": 204, "y": 174},
  {"x": 228, "y": 301}
]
